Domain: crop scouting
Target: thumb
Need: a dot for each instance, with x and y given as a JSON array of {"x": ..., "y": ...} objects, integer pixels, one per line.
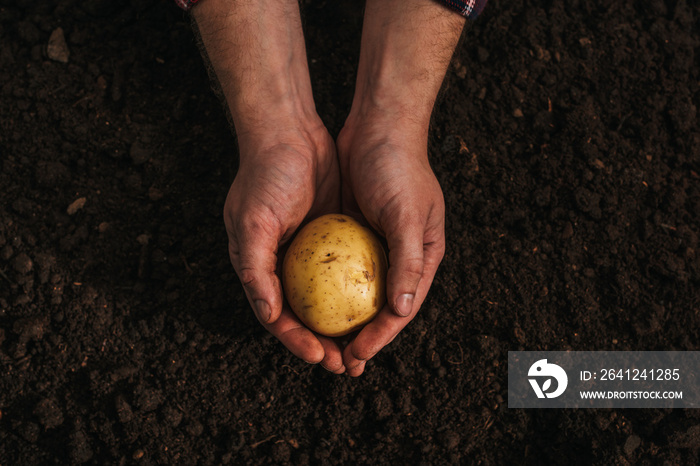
[
  {"x": 254, "y": 257},
  {"x": 405, "y": 266}
]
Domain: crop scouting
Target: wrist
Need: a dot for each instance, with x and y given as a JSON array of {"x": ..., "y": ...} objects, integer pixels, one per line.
[
  {"x": 405, "y": 52},
  {"x": 257, "y": 54}
]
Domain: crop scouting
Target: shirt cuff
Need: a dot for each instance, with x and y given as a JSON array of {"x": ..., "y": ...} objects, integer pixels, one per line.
[
  {"x": 186, "y": 4},
  {"x": 467, "y": 8}
]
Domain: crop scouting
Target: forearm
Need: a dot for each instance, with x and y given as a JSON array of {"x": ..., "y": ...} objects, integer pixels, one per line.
[
  {"x": 256, "y": 49},
  {"x": 406, "y": 50}
]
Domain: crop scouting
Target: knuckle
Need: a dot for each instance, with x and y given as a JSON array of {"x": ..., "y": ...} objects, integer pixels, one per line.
[
  {"x": 248, "y": 223},
  {"x": 412, "y": 267},
  {"x": 247, "y": 276}
]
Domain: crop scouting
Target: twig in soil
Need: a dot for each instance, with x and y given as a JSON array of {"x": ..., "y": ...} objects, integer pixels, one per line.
[
  {"x": 2, "y": 274},
  {"x": 622, "y": 122},
  {"x": 187, "y": 266},
  {"x": 290, "y": 368},
  {"x": 461, "y": 356},
  {"x": 257, "y": 444}
]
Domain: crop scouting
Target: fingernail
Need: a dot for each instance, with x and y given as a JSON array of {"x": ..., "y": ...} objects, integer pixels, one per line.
[
  {"x": 348, "y": 366},
  {"x": 360, "y": 368},
  {"x": 340, "y": 370},
  {"x": 404, "y": 304},
  {"x": 262, "y": 310}
]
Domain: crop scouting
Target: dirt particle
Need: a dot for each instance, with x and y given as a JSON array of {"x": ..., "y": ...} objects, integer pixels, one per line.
[
  {"x": 139, "y": 153},
  {"x": 22, "y": 264},
  {"x": 148, "y": 399},
  {"x": 450, "y": 439},
  {"x": 76, "y": 205},
  {"x": 434, "y": 359},
  {"x": 80, "y": 451},
  {"x": 568, "y": 231},
  {"x": 155, "y": 194},
  {"x": 6, "y": 252},
  {"x": 124, "y": 411},
  {"x": 382, "y": 405},
  {"x": 172, "y": 416},
  {"x": 194, "y": 428},
  {"x": 30, "y": 328},
  {"x": 57, "y": 49},
  {"x": 281, "y": 452},
  {"x": 51, "y": 174},
  {"x": 688, "y": 439},
  {"x": 28, "y": 32},
  {"x": 631, "y": 444},
  {"x": 48, "y": 413},
  {"x": 29, "y": 431}
]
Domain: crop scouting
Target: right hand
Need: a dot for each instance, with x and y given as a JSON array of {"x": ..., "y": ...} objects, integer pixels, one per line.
[{"x": 282, "y": 180}]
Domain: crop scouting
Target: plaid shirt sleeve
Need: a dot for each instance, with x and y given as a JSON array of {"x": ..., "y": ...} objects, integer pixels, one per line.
[
  {"x": 186, "y": 4},
  {"x": 467, "y": 8}
]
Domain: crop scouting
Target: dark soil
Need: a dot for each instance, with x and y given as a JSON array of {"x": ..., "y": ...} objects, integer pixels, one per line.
[{"x": 566, "y": 141}]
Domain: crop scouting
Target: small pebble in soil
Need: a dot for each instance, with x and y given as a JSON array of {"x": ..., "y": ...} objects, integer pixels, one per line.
[
  {"x": 57, "y": 49},
  {"x": 631, "y": 444},
  {"x": 76, "y": 205}
]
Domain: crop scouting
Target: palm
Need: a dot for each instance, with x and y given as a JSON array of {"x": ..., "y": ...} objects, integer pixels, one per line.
[{"x": 273, "y": 193}]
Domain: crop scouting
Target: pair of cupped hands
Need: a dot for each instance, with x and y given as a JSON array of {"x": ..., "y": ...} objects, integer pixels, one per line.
[{"x": 377, "y": 171}]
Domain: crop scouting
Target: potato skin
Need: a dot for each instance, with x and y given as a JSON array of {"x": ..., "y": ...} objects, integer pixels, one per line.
[{"x": 334, "y": 275}]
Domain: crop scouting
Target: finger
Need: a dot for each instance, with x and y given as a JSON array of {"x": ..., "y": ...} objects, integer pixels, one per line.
[
  {"x": 405, "y": 243},
  {"x": 357, "y": 370},
  {"x": 374, "y": 336},
  {"x": 333, "y": 357},
  {"x": 383, "y": 329},
  {"x": 349, "y": 360},
  {"x": 253, "y": 253},
  {"x": 297, "y": 338}
]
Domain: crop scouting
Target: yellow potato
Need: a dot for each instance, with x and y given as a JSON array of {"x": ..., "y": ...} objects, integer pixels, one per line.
[{"x": 334, "y": 275}]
